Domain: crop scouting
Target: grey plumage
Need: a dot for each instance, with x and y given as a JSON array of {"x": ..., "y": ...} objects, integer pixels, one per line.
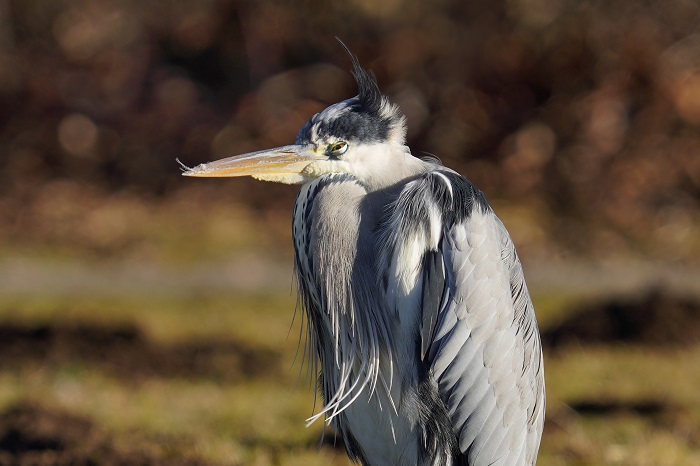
[
  {"x": 415, "y": 300},
  {"x": 476, "y": 339}
]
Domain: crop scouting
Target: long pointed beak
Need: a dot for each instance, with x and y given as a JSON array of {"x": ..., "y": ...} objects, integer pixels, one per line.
[{"x": 282, "y": 164}]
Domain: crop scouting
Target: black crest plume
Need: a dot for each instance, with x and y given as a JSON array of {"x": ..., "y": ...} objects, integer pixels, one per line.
[{"x": 368, "y": 90}]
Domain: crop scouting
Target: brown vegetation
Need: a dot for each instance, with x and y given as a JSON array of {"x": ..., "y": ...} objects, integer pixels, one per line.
[{"x": 586, "y": 113}]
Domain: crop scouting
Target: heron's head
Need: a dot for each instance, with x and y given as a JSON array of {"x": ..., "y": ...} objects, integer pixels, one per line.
[{"x": 363, "y": 136}]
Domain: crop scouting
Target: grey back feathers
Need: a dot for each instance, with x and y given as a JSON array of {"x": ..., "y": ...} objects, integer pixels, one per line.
[{"x": 475, "y": 389}]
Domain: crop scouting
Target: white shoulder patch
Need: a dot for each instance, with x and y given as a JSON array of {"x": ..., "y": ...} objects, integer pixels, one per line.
[{"x": 410, "y": 249}]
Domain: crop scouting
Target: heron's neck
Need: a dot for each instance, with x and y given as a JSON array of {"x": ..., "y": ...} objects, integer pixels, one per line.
[{"x": 399, "y": 167}]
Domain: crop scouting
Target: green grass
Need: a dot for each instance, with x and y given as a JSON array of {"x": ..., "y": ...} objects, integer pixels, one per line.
[
  {"x": 626, "y": 376},
  {"x": 243, "y": 422},
  {"x": 260, "y": 420}
]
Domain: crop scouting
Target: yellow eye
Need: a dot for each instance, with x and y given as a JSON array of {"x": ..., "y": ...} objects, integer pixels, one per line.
[{"x": 337, "y": 148}]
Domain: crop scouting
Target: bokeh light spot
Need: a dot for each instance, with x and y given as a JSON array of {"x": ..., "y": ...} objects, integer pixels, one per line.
[{"x": 77, "y": 134}]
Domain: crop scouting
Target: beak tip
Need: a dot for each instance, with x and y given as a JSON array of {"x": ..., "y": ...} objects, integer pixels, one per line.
[{"x": 191, "y": 171}]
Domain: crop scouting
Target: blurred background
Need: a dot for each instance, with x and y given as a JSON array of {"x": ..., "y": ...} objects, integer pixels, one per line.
[{"x": 147, "y": 319}]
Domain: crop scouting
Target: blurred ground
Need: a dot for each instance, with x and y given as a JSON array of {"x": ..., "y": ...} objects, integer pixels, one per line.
[
  {"x": 145, "y": 318},
  {"x": 658, "y": 318},
  {"x": 31, "y": 434}
]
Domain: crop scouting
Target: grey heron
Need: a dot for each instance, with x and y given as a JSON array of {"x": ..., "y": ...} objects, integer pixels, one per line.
[{"x": 416, "y": 305}]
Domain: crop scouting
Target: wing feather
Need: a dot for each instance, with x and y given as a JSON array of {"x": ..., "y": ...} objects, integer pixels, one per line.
[
  {"x": 482, "y": 345},
  {"x": 471, "y": 410}
]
